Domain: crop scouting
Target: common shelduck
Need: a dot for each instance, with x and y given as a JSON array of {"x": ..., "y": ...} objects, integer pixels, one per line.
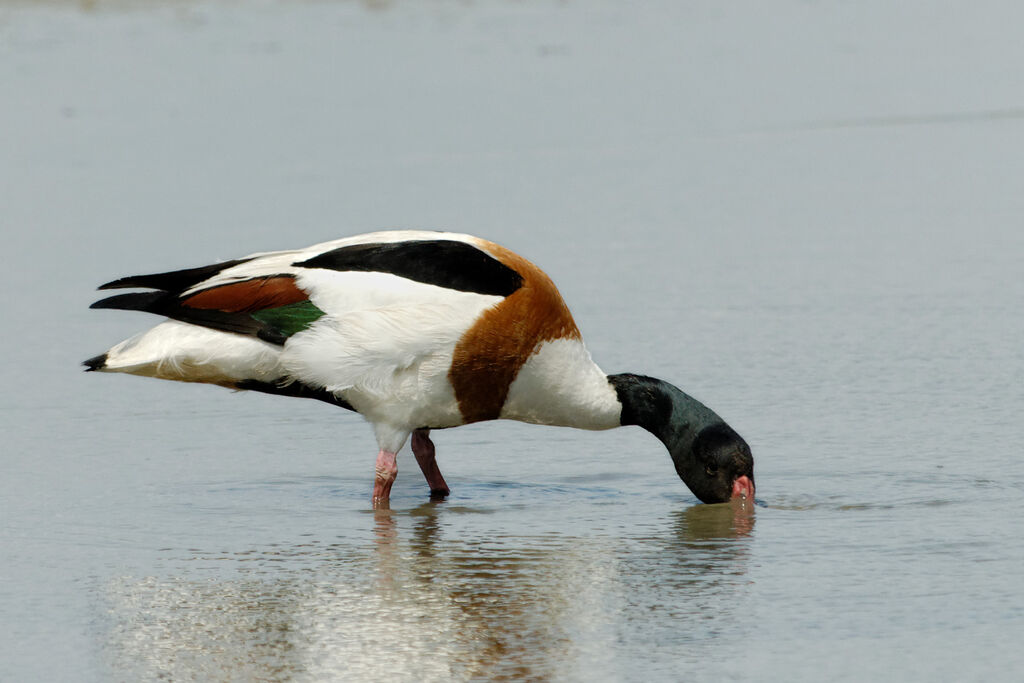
[{"x": 415, "y": 331}]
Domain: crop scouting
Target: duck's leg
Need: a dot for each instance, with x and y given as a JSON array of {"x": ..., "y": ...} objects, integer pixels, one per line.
[
  {"x": 423, "y": 449},
  {"x": 387, "y": 470}
]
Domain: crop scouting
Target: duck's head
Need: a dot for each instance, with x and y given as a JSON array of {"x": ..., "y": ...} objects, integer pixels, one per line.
[{"x": 716, "y": 465}]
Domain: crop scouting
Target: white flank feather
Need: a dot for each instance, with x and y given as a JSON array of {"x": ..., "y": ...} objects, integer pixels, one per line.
[{"x": 385, "y": 343}]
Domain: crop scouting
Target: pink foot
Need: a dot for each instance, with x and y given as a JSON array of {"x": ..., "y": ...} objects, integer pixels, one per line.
[
  {"x": 387, "y": 470},
  {"x": 423, "y": 449}
]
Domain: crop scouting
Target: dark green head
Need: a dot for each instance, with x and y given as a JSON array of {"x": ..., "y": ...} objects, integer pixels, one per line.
[
  {"x": 717, "y": 465},
  {"x": 709, "y": 456}
]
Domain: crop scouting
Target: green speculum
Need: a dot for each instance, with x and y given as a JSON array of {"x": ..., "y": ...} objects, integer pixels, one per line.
[{"x": 290, "y": 318}]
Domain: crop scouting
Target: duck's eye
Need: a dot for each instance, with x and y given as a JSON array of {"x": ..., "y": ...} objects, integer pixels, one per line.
[{"x": 711, "y": 469}]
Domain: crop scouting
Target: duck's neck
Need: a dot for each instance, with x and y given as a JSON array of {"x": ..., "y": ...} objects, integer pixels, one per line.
[
  {"x": 662, "y": 409},
  {"x": 709, "y": 456}
]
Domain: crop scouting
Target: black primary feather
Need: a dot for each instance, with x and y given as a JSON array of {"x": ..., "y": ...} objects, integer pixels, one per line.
[{"x": 174, "y": 280}]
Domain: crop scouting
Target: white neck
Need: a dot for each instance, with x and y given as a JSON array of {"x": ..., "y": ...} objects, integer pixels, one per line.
[{"x": 561, "y": 385}]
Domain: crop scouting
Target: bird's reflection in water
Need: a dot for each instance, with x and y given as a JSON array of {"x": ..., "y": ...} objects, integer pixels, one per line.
[
  {"x": 704, "y": 529},
  {"x": 508, "y": 607},
  {"x": 437, "y": 594},
  {"x": 688, "y": 587},
  {"x": 710, "y": 543}
]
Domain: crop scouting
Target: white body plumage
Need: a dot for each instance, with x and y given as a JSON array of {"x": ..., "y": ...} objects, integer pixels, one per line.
[{"x": 385, "y": 344}]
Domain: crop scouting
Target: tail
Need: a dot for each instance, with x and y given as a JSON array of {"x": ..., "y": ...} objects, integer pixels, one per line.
[
  {"x": 256, "y": 309},
  {"x": 95, "y": 363},
  {"x": 189, "y": 353}
]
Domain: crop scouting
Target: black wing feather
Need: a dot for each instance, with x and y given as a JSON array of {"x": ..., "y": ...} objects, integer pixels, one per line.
[
  {"x": 174, "y": 280},
  {"x": 163, "y": 303},
  {"x": 445, "y": 263},
  {"x": 283, "y": 387}
]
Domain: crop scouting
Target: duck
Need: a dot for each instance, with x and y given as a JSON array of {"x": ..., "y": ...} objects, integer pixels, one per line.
[{"x": 415, "y": 331}]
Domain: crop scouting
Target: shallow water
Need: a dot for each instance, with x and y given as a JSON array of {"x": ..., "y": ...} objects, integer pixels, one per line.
[{"x": 806, "y": 215}]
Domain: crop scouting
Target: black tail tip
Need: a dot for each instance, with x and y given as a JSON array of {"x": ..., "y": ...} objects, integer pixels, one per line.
[{"x": 95, "y": 363}]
